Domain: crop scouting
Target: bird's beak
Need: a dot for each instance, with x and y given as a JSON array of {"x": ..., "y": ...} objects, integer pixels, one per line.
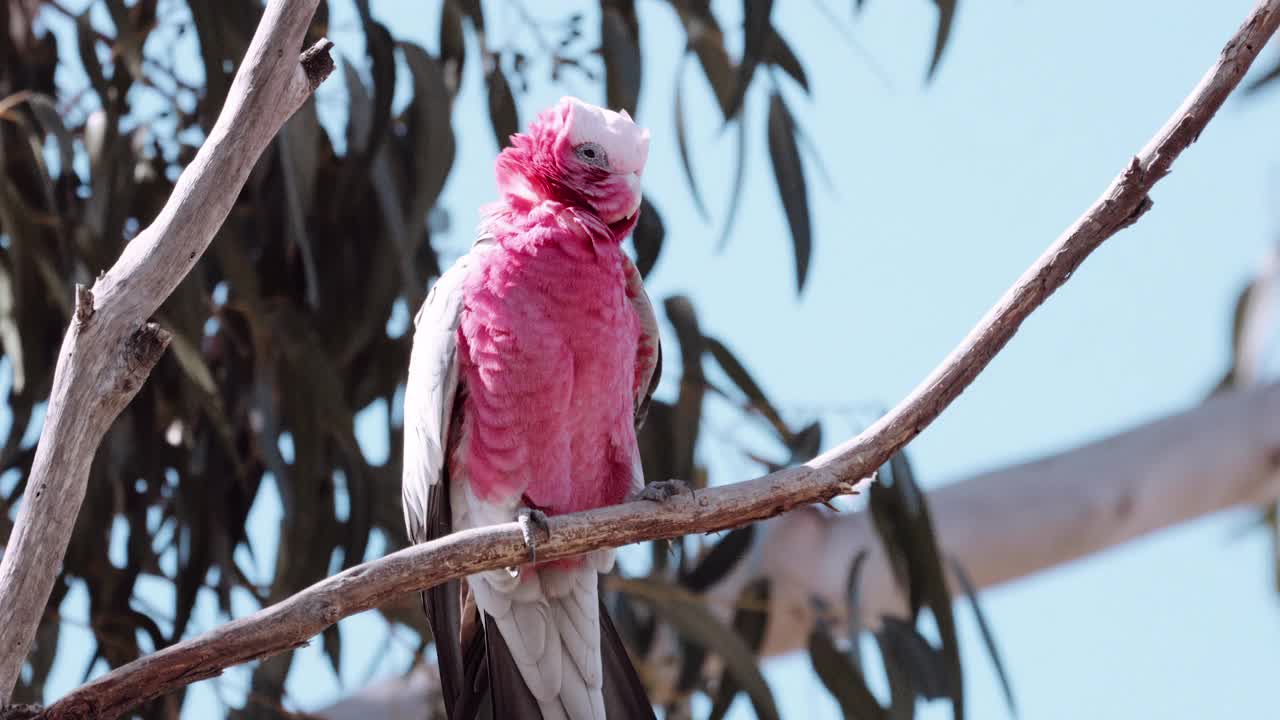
[
  {"x": 627, "y": 213},
  {"x": 633, "y": 183}
]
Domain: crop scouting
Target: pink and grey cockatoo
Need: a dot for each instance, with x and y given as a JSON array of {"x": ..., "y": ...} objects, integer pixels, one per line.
[{"x": 534, "y": 358}]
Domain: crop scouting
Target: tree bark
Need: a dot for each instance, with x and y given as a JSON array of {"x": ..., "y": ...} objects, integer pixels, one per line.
[
  {"x": 110, "y": 348},
  {"x": 842, "y": 470},
  {"x": 1001, "y": 526},
  {"x": 1014, "y": 522}
]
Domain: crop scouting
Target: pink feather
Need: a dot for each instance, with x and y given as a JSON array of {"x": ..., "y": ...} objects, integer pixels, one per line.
[{"x": 548, "y": 339}]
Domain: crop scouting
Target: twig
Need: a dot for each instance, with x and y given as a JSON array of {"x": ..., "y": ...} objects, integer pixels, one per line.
[
  {"x": 293, "y": 621},
  {"x": 110, "y": 348}
]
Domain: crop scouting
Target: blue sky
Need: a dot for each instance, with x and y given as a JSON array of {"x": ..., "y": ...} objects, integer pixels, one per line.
[{"x": 940, "y": 197}]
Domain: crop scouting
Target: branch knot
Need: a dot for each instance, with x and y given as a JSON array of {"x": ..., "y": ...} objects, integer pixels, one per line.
[
  {"x": 317, "y": 63},
  {"x": 84, "y": 311}
]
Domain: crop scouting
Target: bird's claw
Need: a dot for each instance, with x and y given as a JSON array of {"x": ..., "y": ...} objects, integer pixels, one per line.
[
  {"x": 663, "y": 490},
  {"x": 530, "y": 519}
]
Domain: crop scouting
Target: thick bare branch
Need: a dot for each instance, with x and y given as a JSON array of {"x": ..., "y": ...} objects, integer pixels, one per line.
[
  {"x": 1016, "y": 521},
  {"x": 290, "y": 623},
  {"x": 1000, "y": 525},
  {"x": 110, "y": 348}
]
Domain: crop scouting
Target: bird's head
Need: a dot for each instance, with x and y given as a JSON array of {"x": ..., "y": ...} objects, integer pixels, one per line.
[{"x": 580, "y": 155}]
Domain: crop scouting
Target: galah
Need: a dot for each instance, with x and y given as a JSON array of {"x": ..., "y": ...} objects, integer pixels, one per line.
[{"x": 534, "y": 358}]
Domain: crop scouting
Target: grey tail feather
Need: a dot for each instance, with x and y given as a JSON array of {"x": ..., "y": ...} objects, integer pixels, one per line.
[
  {"x": 499, "y": 692},
  {"x": 509, "y": 696},
  {"x": 481, "y": 681},
  {"x": 624, "y": 694},
  {"x": 441, "y": 606}
]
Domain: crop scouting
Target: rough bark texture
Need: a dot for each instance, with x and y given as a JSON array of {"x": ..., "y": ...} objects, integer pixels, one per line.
[
  {"x": 111, "y": 347},
  {"x": 1010, "y": 523},
  {"x": 842, "y": 470},
  {"x": 1001, "y": 525}
]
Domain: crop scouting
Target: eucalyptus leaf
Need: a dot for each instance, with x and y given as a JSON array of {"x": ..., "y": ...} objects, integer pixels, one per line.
[
  {"x": 841, "y": 678},
  {"x": 502, "y": 107},
  {"x": 620, "y": 49},
  {"x": 789, "y": 174},
  {"x": 648, "y": 237},
  {"x": 751, "y": 621},
  {"x": 694, "y": 622},
  {"x": 723, "y": 557},
  {"x": 988, "y": 637},
  {"x": 682, "y": 140},
  {"x": 755, "y": 29},
  {"x": 946, "y": 16}
]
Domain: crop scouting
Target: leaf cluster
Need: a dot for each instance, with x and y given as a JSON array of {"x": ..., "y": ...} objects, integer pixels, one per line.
[{"x": 293, "y": 329}]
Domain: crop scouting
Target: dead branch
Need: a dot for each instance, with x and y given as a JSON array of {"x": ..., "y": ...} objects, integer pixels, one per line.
[
  {"x": 292, "y": 622},
  {"x": 110, "y": 348},
  {"x": 1000, "y": 525}
]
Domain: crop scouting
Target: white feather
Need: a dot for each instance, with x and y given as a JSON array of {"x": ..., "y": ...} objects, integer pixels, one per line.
[
  {"x": 549, "y": 619},
  {"x": 431, "y": 387}
]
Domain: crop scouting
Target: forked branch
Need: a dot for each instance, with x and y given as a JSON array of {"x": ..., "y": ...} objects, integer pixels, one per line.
[
  {"x": 840, "y": 471},
  {"x": 110, "y": 348}
]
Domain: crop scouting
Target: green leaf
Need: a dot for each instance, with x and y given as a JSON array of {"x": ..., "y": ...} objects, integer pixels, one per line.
[
  {"x": 738, "y": 373},
  {"x": 473, "y": 10},
  {"x": 682, "y": 140},
  {"x": 901, "y": 518},
  {"x": 192, "y": 362},
  {"x": 891, "y": 518},
  {"x": 920, "y": 663},
  {"x": 693, "y": 621},
  {"x": 502, "y": 107},
  {"x": 739, "y": 180},
  {"x": 620, "y": 50},
  {"x": 359, "y": 108},
  {"x": 946, "y": 15},
  {"x": 1267, "y": 78},
  {"x": 988, "y": 637},
  {"x": 755, "y": 30},
  {"x": 806, "y": 443},
  {"x": 46, "y": 113},
  {"x": 297, "y": 143},
  {"x": 789, "y": 174},
  {"x": 750, "y": 620},
  {"x": 431, "y": 133},
  {"x": 648, "y": 237},
  {"x": 779, "y": 53},
  {"x": 127, "y": 48},
  {"x": 902, "y": 695},
  {"x": 853, "y": 606},
  {"x": 708, "y": 45},
  {"x": 841, "y": 678},
  {"x": 814, "y": 157},
  {"x": 453, "y": 46},
  {"x": 87, "y": 42},
  {"x": 688, "y": 409},
  {"x": 723, "y": 557},
  {"x": 381, "y": 48},
  {"x": 332, "y": 640}
]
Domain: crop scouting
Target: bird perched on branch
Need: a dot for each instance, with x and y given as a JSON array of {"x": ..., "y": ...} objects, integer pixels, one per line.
[{"x": 534, "y": 358}]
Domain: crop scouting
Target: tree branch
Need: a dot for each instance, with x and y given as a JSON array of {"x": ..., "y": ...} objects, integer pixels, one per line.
[
  {"x": 110, "y": 348},
  {"x": 1023, "y": 519},
  {"x": 843, "y": 470},
  {"x": 1001, "y": 525}
]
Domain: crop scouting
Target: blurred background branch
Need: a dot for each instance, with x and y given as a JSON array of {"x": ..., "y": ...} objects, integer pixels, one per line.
[
  {"x": 111, "y": 346},
  {"x": 263, "y": 453}
]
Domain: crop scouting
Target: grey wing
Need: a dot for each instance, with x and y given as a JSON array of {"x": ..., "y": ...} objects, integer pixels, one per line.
[
  {"x": 430, "y": 391},
  {"x": 649, "y": 358}
]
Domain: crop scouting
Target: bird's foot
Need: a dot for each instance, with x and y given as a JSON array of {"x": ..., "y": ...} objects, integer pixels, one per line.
[
  {"x": 664, "y": 490},
  {"x": 529, "y": 520}
]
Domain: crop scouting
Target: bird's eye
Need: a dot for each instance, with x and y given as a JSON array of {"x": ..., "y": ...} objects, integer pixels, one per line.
[{"x": 592, "y": 154}]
